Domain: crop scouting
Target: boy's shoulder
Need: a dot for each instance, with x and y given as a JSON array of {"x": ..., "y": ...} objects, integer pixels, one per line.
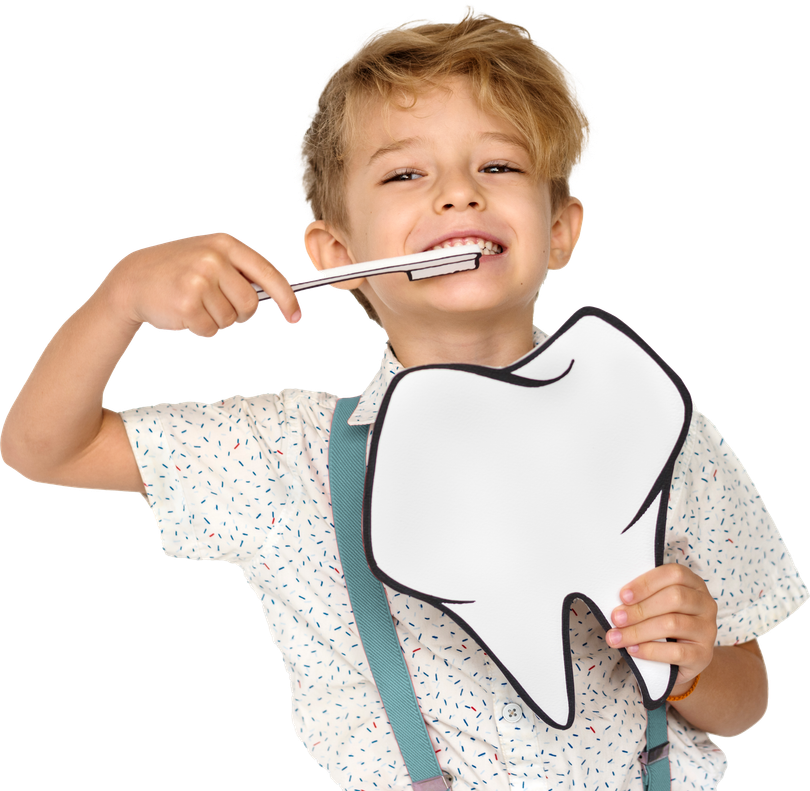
[
  {"x": 292, "y": 399},
  {"x": 234, "y": 414}
]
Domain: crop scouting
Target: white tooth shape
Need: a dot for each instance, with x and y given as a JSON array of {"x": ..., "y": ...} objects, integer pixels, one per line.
[{"x": 595, "y": 425}]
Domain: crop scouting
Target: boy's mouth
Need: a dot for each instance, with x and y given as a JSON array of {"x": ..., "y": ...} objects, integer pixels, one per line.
[{"x": 486, "y": 246}]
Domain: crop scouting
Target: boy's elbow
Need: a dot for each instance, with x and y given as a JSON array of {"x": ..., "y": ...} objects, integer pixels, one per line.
[
  {"x": 749, "y": 724},
  {"x": 742, "y": 728},
  {"x": 16, "y": 456},
  {"x": 762, "y": 706},
  {"x": 10, "y": 451},
  {"x": 759, "y": 687},
  {"x": 21, "y": 468}
]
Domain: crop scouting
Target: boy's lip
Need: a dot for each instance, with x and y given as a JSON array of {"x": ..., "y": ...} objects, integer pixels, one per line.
[{"x": 465, "y": 234}]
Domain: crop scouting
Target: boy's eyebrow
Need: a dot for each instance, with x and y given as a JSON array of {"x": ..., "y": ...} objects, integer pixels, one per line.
[{"x": 410, "y": 142}]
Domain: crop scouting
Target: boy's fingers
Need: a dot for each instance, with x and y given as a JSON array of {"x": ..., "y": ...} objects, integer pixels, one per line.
[
  {"x": 200, "y": 322},
  {"x": 257, "y": 269},
  {"x": 689, "y": 658},
  {"x": 674, "y": 624},
  {"x": 284, "y": 298},
  {"x": 675, "y": 598},
  {"x": 657, "y": 579},
  {"x": 275, "y": 285},
  {"x": 240, "y": 297},
  {"x": 677, "y": 605},
  {"x": 222, "y": 310}
]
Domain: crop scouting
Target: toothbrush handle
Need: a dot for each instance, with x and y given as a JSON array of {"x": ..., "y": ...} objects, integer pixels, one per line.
[
  {"x": 418, "y": 266},
  {"x": 305, "y": 285},
  {"x": 321, "y": 280}
]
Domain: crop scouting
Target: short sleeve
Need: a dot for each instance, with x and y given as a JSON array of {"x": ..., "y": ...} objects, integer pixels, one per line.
[
  {"x": 718, "y": 525},
  {"x": 215, "y": 475}
]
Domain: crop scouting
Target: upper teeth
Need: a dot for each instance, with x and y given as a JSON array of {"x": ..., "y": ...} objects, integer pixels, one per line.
[{"x": 487, "y": 247}]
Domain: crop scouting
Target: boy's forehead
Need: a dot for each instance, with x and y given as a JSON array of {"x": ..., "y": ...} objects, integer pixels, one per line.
[
  {"x": 408, "y": 121},
  {"x": 420, "y": 141},
  {"x": 371, "y": 106}
]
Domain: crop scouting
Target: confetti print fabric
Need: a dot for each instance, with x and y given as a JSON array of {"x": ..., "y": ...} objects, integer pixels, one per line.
[{"x": 245, "y": 480}]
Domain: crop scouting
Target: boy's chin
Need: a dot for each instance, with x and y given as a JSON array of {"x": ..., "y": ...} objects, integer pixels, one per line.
[{"x": 489, "y": 307}]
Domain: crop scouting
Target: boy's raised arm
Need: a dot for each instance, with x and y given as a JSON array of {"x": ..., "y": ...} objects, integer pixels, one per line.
[{"x": 57, "y": 430}]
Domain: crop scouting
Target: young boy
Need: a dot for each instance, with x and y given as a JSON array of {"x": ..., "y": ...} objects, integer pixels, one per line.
[{"x": 435, "y": 135}]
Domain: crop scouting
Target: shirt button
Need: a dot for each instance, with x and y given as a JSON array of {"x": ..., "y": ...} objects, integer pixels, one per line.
[
  {"x": 448, "y": 778},
  {"x": 512, "y": 712}
]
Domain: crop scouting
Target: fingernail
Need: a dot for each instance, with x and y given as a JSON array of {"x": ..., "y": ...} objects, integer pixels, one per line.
[
  {"x": 633, "y": 649},
  {"x": 614, "y": 637},
  {"x": 295, "y": 317},
  {"x": 627, "y": 596},
  {"x": 620, "y": 617}
]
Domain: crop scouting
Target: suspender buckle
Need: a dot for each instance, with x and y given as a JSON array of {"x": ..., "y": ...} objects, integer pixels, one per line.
[
  {"x": 440, "y": 783},
  {"x": 653, "y": 756}
]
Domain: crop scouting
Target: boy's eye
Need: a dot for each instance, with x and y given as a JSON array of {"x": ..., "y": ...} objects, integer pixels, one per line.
[
  {"x": 500, "y": 167},
  {"x": 405, "y": 174}
]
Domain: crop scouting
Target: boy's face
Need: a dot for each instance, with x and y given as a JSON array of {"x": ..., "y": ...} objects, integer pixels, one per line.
[{"x": 445, "y": 172}]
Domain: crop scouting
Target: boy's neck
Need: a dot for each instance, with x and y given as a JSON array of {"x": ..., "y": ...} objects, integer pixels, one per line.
[{"x": 476, "y": 342}]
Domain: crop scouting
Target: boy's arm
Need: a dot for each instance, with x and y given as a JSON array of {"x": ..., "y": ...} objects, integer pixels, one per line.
[
  {"x": 732, "y": 693},
  {"x": 57, "y": 430}
]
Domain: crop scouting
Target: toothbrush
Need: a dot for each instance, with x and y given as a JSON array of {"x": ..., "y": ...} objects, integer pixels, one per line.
[{"x": 418, "y": 266}]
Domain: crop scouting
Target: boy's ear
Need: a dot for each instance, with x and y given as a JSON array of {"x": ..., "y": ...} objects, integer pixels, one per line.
[
  {"x": 327, "y": 249},
  {"x": 565, "y": 228}
]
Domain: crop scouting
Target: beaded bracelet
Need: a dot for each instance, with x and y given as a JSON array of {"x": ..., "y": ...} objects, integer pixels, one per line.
[{"x": 675, "y": 698}]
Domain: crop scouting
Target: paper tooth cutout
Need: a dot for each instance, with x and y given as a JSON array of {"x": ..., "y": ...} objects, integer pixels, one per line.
[{"x": 509, "y": 492}]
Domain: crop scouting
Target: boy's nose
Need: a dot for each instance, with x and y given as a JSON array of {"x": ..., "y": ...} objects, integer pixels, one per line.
[{"x": 460, "y": 192}]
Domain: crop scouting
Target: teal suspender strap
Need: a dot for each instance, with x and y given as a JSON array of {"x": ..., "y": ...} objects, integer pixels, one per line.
[
  {"x": 655, "y": 759},
  {"x": 347, "y": 466}
]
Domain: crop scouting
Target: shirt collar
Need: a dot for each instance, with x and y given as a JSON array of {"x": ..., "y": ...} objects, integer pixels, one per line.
[{"x": 366, "y": 410}]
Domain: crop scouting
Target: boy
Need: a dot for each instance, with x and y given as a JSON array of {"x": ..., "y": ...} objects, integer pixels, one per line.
[{"x": 428, "y": 153}]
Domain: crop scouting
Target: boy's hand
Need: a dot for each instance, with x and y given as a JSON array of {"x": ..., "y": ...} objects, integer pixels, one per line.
[
  {"x": 202, "y": 284},
  {"x": 669, "y": 601}
]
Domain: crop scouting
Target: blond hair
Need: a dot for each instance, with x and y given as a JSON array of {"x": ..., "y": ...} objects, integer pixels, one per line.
[{"x": 510, "y": 76}]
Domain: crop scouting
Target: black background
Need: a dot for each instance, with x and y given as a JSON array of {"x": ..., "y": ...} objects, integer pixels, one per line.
[{"x": 163, "y": 129}]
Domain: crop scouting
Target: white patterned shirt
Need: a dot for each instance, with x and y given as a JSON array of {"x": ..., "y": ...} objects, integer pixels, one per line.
[{"x": 245, "y": 480}]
